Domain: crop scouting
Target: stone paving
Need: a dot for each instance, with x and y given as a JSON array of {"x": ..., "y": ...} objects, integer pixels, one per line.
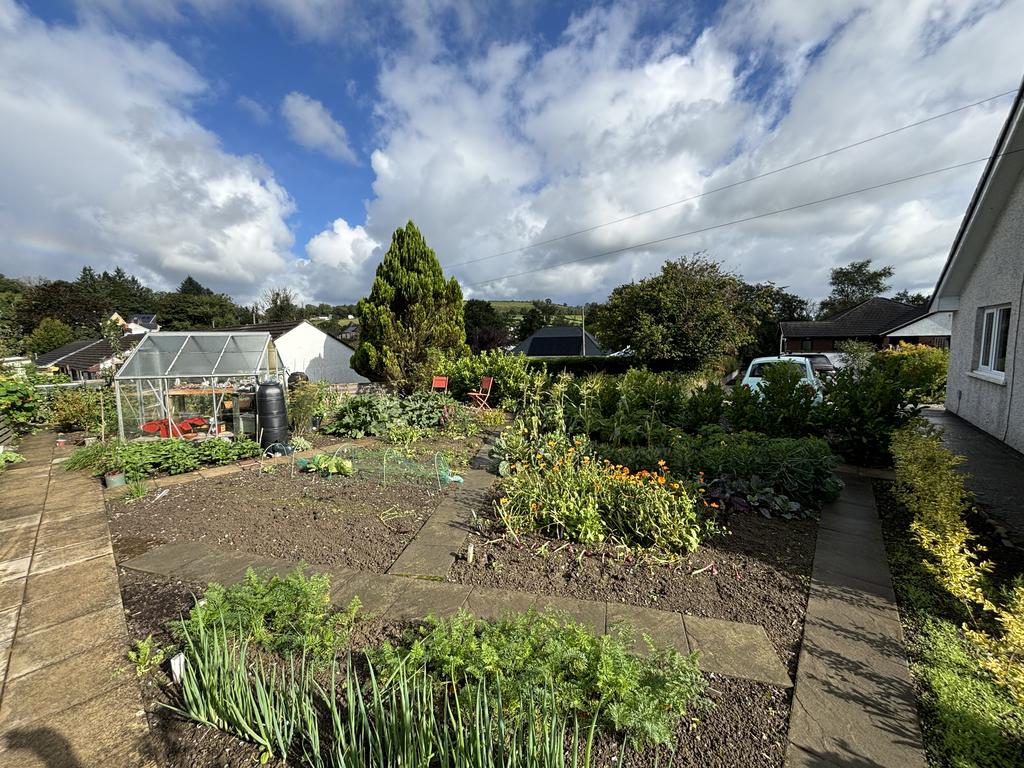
[
  {"x": 854, "y": 703},
  {"x": 995, "y": 472},
  {"x": 727, "y": 647},
  {"x": 64, "y": 697}
]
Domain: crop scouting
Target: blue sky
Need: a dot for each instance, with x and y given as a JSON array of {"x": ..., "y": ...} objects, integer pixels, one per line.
[{"x": 263, "y": 143}]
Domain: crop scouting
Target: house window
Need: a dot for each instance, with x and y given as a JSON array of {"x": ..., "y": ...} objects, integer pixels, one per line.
[
  {"x": 805, "y": 345},
  {"x": 995, "y": 332}
]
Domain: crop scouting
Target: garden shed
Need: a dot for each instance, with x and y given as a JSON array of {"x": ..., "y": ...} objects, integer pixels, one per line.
[{"x": 194, "y": 383}]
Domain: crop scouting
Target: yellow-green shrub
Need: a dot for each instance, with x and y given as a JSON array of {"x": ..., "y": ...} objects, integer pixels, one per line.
[
  {"x": 928, "y": 484},
  {"x": 920, "y": 369},
  {"x": 562, "y": 489}
]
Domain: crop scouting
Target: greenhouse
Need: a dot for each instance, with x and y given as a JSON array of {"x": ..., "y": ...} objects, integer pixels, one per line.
[{"x": 194, "y": 384}]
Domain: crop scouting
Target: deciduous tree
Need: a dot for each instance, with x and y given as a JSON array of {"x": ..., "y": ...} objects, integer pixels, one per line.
[
  {"x": 48, "y": 335},
  {"x": 411, "y": 310},
  {"x": 852, "y": 284},
  {"x": 690, "y": 315}
]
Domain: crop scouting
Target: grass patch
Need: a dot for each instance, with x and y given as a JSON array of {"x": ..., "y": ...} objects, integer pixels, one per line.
[{"x": 968, "y": 720}]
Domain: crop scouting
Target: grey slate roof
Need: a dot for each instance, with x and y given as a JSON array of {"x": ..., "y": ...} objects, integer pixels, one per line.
[
  {"x": 86, "y": 355},
  {"x": 49, "y": 358},
  {"x": 869, "y": 318},
  {"x": 559, "y": 341}
]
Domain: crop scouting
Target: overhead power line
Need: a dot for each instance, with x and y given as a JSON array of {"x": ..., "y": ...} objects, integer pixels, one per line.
[
  {"x": 745, "y": 219},
  {"x": 731, "y": 185}
]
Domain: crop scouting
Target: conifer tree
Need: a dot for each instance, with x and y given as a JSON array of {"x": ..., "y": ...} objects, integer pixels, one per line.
[{"x": 410, "y": 311}]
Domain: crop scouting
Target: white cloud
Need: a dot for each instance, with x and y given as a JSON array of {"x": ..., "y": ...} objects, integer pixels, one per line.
[
  {"x": 254, "y": 109},
  {"x": 102, "y": 164},
  {"x": 524, "y": 142},
  {"x": 312, "y": 126}
]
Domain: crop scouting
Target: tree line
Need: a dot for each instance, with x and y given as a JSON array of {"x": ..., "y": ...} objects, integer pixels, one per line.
[
  {"x": 38, "y": 315},
  {"x": 691, "y": 314}
]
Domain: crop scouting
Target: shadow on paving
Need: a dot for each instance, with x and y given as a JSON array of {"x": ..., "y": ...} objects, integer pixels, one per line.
[
  {"x": 995, "y": 471},
  {"x": 47, "y": 745}
]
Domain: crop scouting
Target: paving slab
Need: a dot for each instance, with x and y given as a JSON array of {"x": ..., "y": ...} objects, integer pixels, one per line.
[
  {"x": 64, "y": 684},
  {"x": 11, "y": 513},
  {"x": 60, "y": 641},
  {"x": 52, "y": 559},
  {"x": 92, "y": 595},
  {"x": 854, "y": 702},
  {"x": 167, "y": 559},
  {"x": 65, "y": 581},
  {"x": 11, "y": 593},
  {"x": 665, "y": 628},
  {"x": 65, "y": 658},
  {"x": 419, "y": 599},
  {"x": 491, "y": 604},
  {"x": 31, "y": 520},
  {"x": 993, "y": 471},
  {"x": 70, "y": 739},
  {"x": 424, "y": 560},
  {"x": 14, "y": 569},
  {"x": 16, "y": 544},
  {"x": 376, "y": 593},
  {"x": 735, "y": 650},
  {"x": 590, "y": 613}
]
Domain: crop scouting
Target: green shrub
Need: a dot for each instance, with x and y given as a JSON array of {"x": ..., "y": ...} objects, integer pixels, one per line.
[
  {"x": 290, "y": 615},
  {"x": 310, "y": 399},
  {"x": 557, "y": 486},
  {"x": 801, "y": 469},
  {"x": 81, "y": 408},
  {"x": 527, "y": 654},
  {"x": 19, "y": 402},
  {"x": 374, "y": 414},
  {"x": 920, "y": 369},
  {"x": 968, "y": 720},
  {"x": 862, "y": 410},
  {"x": 705, "y": 406},
  {"x": 929, "y": 486},
  {"x": 9, "y": 457},
  {"x": 785, "y": 403},
  {"x": 511, "y": 375}
]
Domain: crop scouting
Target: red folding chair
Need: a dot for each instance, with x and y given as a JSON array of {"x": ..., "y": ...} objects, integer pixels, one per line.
[
  {"x": 439, "y": 384},
  {"x": 479, "y": 397}
]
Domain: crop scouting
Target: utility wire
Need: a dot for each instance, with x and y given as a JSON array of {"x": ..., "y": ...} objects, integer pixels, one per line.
[
  {"x": 724, "y": 187},
  {"x": 755, "y": 217}
]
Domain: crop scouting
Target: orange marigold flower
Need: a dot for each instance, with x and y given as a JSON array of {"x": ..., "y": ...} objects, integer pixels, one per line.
[
  {"x": 714, "y": 505},
  {"x": 661, "y": 481},
  {"x": 661, "y": 462}
]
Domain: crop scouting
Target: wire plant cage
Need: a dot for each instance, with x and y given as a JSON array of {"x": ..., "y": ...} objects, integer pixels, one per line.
[{"x": 194, "y": 383}]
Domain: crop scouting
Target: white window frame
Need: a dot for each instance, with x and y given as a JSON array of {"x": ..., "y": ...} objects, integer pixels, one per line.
[{"x": 991, "y": 327}]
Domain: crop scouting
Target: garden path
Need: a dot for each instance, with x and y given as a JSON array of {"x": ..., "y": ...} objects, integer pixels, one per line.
[
  {"x": 65, "y": 700},
  {"x": 727, "y": 647},
  {"x": 854, "y": 704},
  {"x": 995, "y": 472}
]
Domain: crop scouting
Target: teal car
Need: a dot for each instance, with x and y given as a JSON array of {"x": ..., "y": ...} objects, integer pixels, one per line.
[{"x": 756, "y": 369}]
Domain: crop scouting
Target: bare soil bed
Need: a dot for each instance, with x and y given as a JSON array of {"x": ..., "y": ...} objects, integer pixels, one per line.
[
  {"x": 745, "y": 726},
  {"x": 757, "y": 573},
  {"x": 350, "y": 521}
]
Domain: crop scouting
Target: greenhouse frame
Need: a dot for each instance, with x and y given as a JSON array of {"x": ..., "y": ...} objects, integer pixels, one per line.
[{"x": 194, "y": 383}]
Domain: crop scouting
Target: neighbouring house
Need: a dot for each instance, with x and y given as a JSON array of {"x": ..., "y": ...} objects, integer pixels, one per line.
[
  {"x": 933, "y": 329},
  {"x": 137, "y": 323},
  {"x": 560, "y": 341},
  {"x": 350, "y": 333},
  {"x": 305, "y": 348},
  {"x": 88, "y": 359},
  {"x": 868, "y": 321},
  {"x": 982, "y": 285}
]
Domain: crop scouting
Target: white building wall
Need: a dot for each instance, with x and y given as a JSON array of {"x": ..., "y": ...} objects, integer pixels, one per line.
[
  {"x": 998, "y": 278},
  {"x": 321, "y": 357}
]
